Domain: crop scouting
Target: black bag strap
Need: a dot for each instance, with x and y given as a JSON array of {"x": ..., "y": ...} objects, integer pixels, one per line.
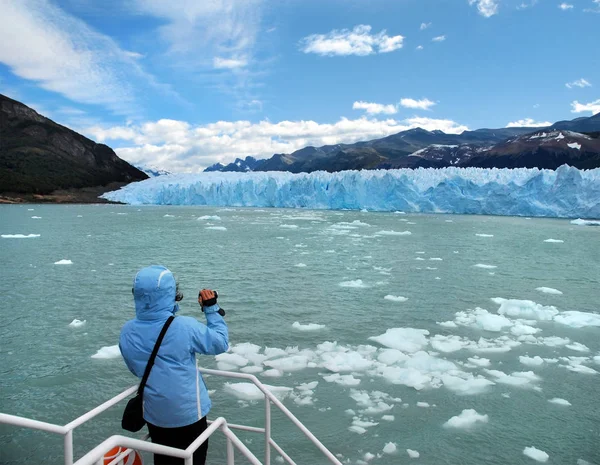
[{"x": 153, "y": 356}]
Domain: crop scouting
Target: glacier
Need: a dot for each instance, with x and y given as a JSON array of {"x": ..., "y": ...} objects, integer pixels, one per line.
[{"x": 564, "y": 193}]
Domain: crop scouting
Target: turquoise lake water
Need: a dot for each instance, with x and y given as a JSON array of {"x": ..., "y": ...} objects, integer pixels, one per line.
[{"x": 329, "y": 271}]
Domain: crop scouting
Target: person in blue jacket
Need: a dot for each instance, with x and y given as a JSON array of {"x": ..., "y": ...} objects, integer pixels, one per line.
[{"x": 176, "y": 400}]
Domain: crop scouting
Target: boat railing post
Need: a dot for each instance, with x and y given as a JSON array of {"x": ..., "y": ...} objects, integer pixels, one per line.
[
  {"x": 68, "y": 441},
  {"x": 230, "y": 453},
  {"x": 267, "y": 431}
]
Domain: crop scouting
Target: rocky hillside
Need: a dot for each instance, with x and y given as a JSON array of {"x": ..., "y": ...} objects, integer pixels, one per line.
[
  {"x": 38, "y": 156},
  {"x": 501, "y": 148}
]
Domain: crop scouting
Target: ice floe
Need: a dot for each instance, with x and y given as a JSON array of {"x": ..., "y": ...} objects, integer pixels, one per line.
[
  {"x": 307, "y": 327},
  {"x": 554, "y": 241},
  {"x": 209, "y": 218},
  {"x": 217, "y": 228},
  {"x": 389, "y": 448},
  {"x": 548, "y": 290},
  {"x": 413, "y": 454},
  {"x": 531, "y": 361},
  {"x": 484, "y": 235},
  {"x": 392, "y": 233},
  {"x": 559, "y": 401},
  {"x": 396, "y": 298},
  {"x": 357, "y": 283},
  {"x": 77, "y": 323},
  {"x": 108, "y": 352},
  {"x": 467, "y": 419},
  {"x": 250, "y": 392},
  {"x": 536, "y": 454},
  {"x": 63, "y": 262},
  {"x": 19, "y": 236},
  {"x": 581, "y": 222},
  {"x": 485, "y": 267}
]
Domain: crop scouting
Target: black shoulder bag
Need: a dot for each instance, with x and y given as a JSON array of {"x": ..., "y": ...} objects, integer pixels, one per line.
[{"x": 133, "y": 416}]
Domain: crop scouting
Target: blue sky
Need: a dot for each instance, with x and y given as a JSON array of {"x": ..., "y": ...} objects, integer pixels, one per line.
[{"x": 182, "y": 87}]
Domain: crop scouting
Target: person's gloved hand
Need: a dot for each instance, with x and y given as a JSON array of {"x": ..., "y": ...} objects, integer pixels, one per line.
[{"x": 208, "y": 301}]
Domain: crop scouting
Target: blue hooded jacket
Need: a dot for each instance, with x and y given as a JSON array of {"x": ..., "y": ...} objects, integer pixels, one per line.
[{"x": 175, "y": 394}]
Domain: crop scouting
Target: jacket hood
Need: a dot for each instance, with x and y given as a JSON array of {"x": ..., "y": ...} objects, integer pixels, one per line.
[{"x": 154, "y": 290}]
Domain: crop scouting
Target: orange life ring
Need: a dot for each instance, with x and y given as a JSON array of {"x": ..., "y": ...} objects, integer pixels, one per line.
[{"x": 132, "y": 459}]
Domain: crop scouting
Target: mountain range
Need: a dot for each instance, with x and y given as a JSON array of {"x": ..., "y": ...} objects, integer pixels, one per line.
[
  {"x": 41, "y": 160},
  {"x": 574, "y": 142}
]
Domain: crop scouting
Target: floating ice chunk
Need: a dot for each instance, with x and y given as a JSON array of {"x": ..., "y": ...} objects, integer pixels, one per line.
[
  {"x": 364, "y": 424},
  {"x": 19, "y": 236},
  {"x": 300, "y": 265},
  {"x": 388, "y": 418},
  {"x": 77, "y": 323},
  {"x": 580, "y": 222},
  {"x": 482, "y": 319},
  {"x": 485, "y": 267},
  {"x": 250, "y": 392},
  {"x": 395, "y": 298},
  {"x": 447, "y": 344},
  {"x": 30, "y": 209},
  {"x": 344, "y": 380},
  {"x": 536, "y": 454},
  {"x": 447, "y": 324},
  {"x": 63, "y": 262},
  {"x": 420, "y": 259},
  {"x": 343, "y": 361},
  {"x": 480, "y": 362},
  {"x": 389, "y": 448},
  {"x": 292, "y": 363},
  {"x": 403, "y": 339},
  {"x": 369, "y": 456},
  {"x": 423, "y": 404},
  {"x": 357, "y": 429},
  {"x": 578, "y": 347},
  {"x": 168, "y": 216},
  {"x": 548, "y": 290},
  {"x": 307, "y": 327},
  {"x": 36, "y": 217},
  {"x": 576, "y": 319},
  {"x": 273, "y": 373},
  {"x": 217, "y": 228},
  {"x": 251, "y": 369},
  {"x": 498, "y": 345},
  {"x": 525, "y": 309},
  {"x": 484, "y": 235},
  {"x": 519, "y": 378},
  {"x": 559, "y": 401},
  {"x": 209, "y": 218},
  {"x": 307, "y": 386},
  {"x": 357, "y": 283},
  {"x": 108, "y": 352},
  {"x": 467, "y": 419},
  {"x": 465, "y": 383},
  {"x": 227, "y": 360},
  {"x": 391, "y": 356},
  {"x": 521, "y": 329},
  {"x": 413, "y": 454},
  {"x": 581, "y": 369},
  {"x": 554, "y": 341},
  {"x": 531, "y": 361},
  {"x": 272, "y": 352},
  {"x": 289, "y": 226},
  {"x": 436, "y": 259},
  {"x": 554, "y": 241},
  {"x": 393, "y": 233}
]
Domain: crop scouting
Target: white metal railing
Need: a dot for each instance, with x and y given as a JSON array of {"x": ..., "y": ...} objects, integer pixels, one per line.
[{"x": 95, "y": 456}]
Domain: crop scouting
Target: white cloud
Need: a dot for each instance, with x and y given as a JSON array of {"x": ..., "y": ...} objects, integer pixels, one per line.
[
  {"x": 179, "y": 146},
  {"x": 578, "y": 83},
  {"x": 528, "y": 123},
  {"x": 375, "y": 108},
  {"x": 229, "y": 63},
  {"x": 593, "y": 107},
  {"x": 438, "y": 39},
  {"x": 425, "y": 26},
  {"x": 486, "y": 8},
  {"x": 596, "y": 8},
  {"x": 358, "y": 41},
  {"x": 419, "y": 47},
  {"x": 224, "y": 26},
  {"x": 565, "y": 6},
  {"x": 423, "y": 104},
  {"x": 62, "y": 54}
]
